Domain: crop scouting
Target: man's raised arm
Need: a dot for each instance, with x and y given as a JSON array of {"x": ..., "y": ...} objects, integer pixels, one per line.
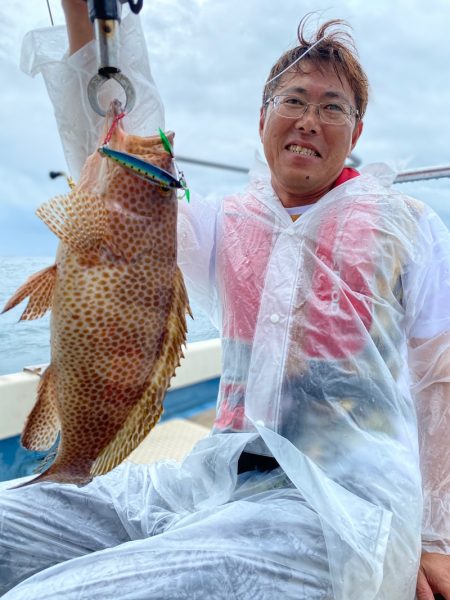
[
  {"x": 67, "y": 62},
  {"x": 79, "y": 26}
]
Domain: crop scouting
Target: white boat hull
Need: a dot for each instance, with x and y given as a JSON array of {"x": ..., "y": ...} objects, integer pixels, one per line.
[{"x": 202, "y": 362}]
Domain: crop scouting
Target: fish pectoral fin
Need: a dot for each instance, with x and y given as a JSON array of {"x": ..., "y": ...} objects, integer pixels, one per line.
[
  {"x": 79, "y": 219},
  {"x": 148, "y": 409},
  {"x": 39, "y": 287},
  {"x": 42, "y": 425}
]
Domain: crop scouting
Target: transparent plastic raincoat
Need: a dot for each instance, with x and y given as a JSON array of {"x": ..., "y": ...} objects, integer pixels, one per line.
[{"x": 335, "y": 361}]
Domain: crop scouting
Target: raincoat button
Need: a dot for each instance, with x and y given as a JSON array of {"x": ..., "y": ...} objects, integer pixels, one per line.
[{"x": 274, "y": 318}]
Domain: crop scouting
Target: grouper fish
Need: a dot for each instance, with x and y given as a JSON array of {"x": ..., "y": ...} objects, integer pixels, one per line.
[{"x": 118, "y": 320}]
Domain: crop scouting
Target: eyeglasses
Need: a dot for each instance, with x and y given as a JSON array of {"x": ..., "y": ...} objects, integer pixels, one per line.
[{"x": 294, "y": 107}]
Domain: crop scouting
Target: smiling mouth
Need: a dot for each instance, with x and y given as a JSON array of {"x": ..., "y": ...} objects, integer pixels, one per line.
[{"x": 302, "y": 150}]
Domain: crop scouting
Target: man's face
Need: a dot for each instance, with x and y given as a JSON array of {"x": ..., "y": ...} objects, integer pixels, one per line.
[{"x": 303, "y": 178}]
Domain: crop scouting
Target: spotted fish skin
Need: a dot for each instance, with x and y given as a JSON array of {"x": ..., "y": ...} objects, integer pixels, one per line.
[{"x": 118, "y": 318}]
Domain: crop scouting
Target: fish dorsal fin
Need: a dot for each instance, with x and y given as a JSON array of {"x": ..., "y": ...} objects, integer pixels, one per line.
[
  {"x": 42, "y": 425},
  {"x": 79, "y": 220},
  {"x": 147, "y": 411},
  {"x": 39, "y": 287}
]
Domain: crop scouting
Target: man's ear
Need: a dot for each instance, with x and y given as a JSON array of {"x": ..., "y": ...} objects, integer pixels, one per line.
[
  {"x": 356, "y": 133},
  {"x": 262, "y": 120}
]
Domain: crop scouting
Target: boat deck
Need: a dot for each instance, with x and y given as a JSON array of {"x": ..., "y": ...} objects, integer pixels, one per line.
[
  {"x": 174, "y": 438},
  {"x": 205, "y": 418},
  {"x": 189, "y": 409}
]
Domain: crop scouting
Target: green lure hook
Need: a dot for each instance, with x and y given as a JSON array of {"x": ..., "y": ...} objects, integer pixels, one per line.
[{"x": 168, "y": 148}]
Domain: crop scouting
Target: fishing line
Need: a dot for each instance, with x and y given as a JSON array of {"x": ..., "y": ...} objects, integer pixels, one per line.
[
  {"x": 112, "y": 128},
  {"x": 50, "y": 13},
  {"x": 294, "y": 62}
]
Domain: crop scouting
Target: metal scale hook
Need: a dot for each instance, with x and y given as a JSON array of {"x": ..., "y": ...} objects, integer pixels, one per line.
[{"x": 105, "y": 14}]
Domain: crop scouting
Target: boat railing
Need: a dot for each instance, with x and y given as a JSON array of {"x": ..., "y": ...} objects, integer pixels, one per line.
[
  {"x": 408, "y": 175},
  {"x": 202, "y": 362},
  {"x": 423, "y": 174}
]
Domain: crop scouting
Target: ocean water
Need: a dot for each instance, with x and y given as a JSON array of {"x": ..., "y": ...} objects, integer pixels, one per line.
[{"x": 25, "y": 343}]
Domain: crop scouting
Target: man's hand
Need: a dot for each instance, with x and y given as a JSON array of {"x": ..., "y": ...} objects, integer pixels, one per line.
[{"x": 434, "y": 576}]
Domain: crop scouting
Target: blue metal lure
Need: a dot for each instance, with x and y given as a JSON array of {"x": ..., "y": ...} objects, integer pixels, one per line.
[{"x": 143, "y": 169}]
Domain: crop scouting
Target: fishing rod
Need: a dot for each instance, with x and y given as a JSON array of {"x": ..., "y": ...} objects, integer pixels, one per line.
[{"x": 106, "y": 17}]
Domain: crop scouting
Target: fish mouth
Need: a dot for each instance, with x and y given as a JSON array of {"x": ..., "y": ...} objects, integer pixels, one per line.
[{"x": 303, "y": 150}]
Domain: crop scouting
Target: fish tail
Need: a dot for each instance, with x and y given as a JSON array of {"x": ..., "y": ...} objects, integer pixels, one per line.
[
  {"x": 147, "y": 412},
  {"x": 42, "y": 425},
  {"x": 80, "y": 220},
  {"x": 37, "y": 479},
  {"x": 39, "y": 287},
  {"x": 55, "y": 475}
]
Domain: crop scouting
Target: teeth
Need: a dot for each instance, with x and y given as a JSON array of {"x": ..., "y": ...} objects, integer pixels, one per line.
[{"x": 301, "y": 150}]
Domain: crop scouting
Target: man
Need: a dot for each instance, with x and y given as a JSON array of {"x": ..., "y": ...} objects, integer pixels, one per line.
[{"x": 331, "y": 289}]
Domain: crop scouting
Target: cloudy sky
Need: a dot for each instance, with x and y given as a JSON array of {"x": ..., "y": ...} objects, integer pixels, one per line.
[{"x": 210, "y": 59}]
